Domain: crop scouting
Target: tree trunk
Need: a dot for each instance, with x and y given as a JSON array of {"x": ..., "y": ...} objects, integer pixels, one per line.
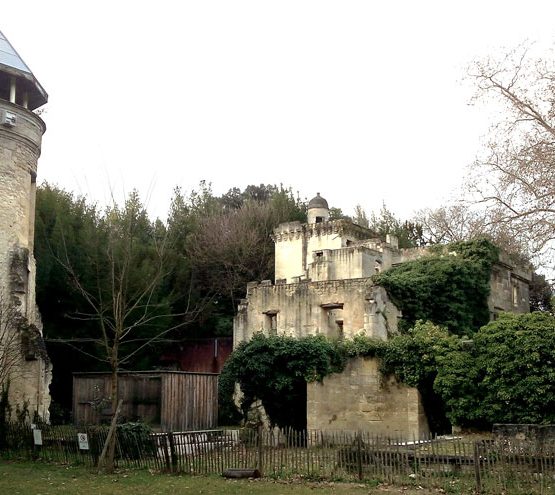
[
  {"x": 115, "y": 410},
  {"x": 109, "y": 439}
]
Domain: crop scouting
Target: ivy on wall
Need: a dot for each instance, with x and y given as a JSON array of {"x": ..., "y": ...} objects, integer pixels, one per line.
[
  {"x": 443, "y": 297},
  {"x": 275, "y": 370},
  {"x": 450, "y": 287},
  {"x": 506, "y": 374}
]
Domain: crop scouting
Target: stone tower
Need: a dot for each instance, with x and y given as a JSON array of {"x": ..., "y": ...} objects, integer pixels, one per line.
[
  {"x": 318, "y": 210},
  {"x": 25, "y": 365}
]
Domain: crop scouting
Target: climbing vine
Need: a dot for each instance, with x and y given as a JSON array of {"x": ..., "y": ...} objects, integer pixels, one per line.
[
  {"x": 275, "y": 371},
  {"x": 504, "y": 375},
  {"x": 450, "y": 287},
  {"x": 443, "y": 297}
]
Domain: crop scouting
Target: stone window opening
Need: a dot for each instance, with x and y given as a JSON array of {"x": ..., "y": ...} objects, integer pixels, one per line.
[
  {"x": 270, "y": 323},
  {"x": 319, "y": 219},
  {"x": 515, "y": 295},
  {"x": 340, "y": 333},
  {"x": 334, "y": 318},
  {"x": 332, "y": 305}
]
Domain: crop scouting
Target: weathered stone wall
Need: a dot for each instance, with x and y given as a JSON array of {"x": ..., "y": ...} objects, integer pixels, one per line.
[
  {"x": 361, "y": 398},
  {"x": 510, "y": 287},
  {"x": 344, "y": 263},
  {"x": 19, "y": 152},
  {"x": 289, "y": 248},
  {"x": 324, "y": 287},
  {"x": 509, "y": 281},
  {"x": 312, "y": 308},
  {"x": 525, "y": 434},
  {"x": 296, "y": 244}
]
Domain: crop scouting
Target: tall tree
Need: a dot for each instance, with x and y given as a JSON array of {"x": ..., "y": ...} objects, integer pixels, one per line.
[
  {"x": 233, "y": 246},
  {"x": 119, "y": 286},
  {"x": 516, "y": 172},
  {"x": 225, "y": 242},
  {"x": 65, "y": 227}
]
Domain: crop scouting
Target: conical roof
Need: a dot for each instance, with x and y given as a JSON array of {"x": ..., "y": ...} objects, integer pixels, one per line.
[
  {"x": 318, "y": 202},
  {"x": 9, "y": 57},
  {"x": 11, "y": 64}
]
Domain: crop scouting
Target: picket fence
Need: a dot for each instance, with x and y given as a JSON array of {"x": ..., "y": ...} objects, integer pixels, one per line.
[{"x": 458, "y": 465}]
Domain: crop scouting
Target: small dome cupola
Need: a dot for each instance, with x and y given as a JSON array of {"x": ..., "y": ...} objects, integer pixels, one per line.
[
  {"x": 18, "y": 85},
  {"x": 318, "y": 210}
]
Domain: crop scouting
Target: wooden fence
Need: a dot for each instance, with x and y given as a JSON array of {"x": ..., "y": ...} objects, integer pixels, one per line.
[{"x": 455, "y": 464}]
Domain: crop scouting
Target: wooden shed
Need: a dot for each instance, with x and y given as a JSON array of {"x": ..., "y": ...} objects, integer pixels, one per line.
[{"x": 169, "y": 400}]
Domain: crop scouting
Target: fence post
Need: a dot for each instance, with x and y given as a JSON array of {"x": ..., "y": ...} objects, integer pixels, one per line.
[
  {"x": 165, "y": 447},
  {"x": 359, "y": 455},
  {"x": 477, "y": 472},
  {"x": 173, "y": 454},
  {"x": 260, "y": 444}
]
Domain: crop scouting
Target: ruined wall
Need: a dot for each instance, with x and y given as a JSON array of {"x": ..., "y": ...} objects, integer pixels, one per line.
[
  {"x": 510, "y": 287},
  {"x": 509, "y": 281},
  {"x": 324, "y": 287},
  {"x": 361, "y": 398},
  {"x": 345, "y": 263},
  {"x": 336, "y": 309},
  {"x": 296, "y": 244},
  {"x": 525, "y": 435},
  {"x": 19, "y": 152}
]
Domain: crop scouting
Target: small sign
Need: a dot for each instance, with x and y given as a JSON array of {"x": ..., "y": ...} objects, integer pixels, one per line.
[
  {"x": 37, "y": 436},
  {"x": 83, "y": 441}
]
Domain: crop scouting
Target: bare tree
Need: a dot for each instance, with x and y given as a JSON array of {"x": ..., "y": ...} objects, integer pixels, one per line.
[
  {"x": 515, "y": 176},
  {"x": 235, "y": 247},
  {"x": 122, "y": 292},
  {"x": 462, "y": 221},
  {"x": 11, "y": 348}
]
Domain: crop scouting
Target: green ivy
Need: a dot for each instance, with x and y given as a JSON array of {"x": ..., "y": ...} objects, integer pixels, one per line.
[
  {"x": 450, "y": 287},
  {"x": 507, "y": 375},
  {"x": 275, "y": 370}
]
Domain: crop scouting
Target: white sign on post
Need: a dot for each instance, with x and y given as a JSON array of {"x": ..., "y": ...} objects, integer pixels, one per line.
[
  {"x": 37, "y": 437},
  {"x": 83, "y": 441}
]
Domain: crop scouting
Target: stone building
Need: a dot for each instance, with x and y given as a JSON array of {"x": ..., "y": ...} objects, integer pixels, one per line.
[
  {"x": 23, "y": 359},
  {"x": 323, "y": 285}
]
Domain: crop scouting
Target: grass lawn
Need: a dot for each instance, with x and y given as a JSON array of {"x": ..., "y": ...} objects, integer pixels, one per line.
[{"x": 26, "y": 478}]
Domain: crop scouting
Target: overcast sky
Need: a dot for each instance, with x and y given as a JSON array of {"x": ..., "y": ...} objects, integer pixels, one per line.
[{"x": 362, "y": 101}]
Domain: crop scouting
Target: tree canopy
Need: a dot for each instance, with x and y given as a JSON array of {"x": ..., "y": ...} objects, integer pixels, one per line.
[
  {"x": 114, "y": 281},
  {"x": 507, "y": 375}
]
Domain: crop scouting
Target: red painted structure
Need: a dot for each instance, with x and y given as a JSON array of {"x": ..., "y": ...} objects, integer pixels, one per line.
[{"x": 199, "y": 355}]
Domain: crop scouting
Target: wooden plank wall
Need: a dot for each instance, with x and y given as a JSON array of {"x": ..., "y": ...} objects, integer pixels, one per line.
[
  {"x": 141, "y": 397},
  {"x": 87, "y": 392},
  {"x": 173, "y": 401},
  {"x": 140, "y": 393},
  {"x": 189, "y": 401}
]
